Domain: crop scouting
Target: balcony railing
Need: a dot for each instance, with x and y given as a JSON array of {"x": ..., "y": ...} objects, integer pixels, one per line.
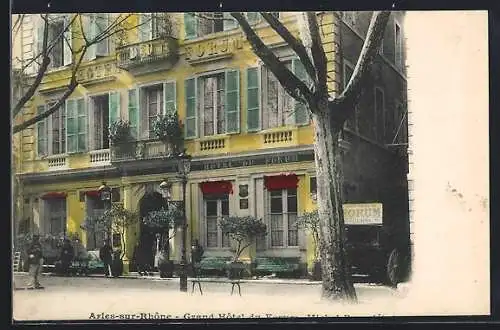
[
  {"x": 100, "y": 157},
  {"x": 57, "y": 162},
  {"x": 162, "y": 50},
  {"x": 140, "y": 150}
]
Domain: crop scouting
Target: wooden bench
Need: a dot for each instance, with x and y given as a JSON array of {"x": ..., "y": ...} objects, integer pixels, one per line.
[{"x": 219, "y": 264}]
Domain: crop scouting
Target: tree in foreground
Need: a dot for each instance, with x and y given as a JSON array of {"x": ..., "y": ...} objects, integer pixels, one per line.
[{"x": 328, "y": 114}]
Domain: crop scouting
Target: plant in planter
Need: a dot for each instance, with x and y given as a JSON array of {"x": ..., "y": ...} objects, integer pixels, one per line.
[
  {"x": 162, "y": 222},
  {"x": 167, "y": 128},
  {"x": 120, "y": 136},
  {"x": 244, "y": 232},
  {"x": 310, "y": 222},
  {"x": 115, "y": 222}
]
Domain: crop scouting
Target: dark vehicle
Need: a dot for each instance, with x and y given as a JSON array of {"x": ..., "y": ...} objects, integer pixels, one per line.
[{"x": 377, "y": 246}]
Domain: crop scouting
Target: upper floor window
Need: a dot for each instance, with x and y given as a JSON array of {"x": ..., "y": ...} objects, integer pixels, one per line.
[
  {"x": 104, "y": 109},
  {"x": 401, "y": 123},
  {"x": 204, "y": 23},
  {"x": 213, "y": 104},
  {"x": 378, "y": 114},
  {"x": 58, "y": 39},
  {"x": 398, "y": 45},
  {"x": 51, "y": 131},
  {"x": 283, "y": 217},
  {"x": 268, "y": 104},
  {"x": 213, "y": 98},
  {"x": 153, "y": 25},
  {"x": 94, "y": 26}
]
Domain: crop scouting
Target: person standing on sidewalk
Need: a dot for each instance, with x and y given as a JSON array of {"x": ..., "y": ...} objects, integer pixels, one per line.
[
  {"x": 67, "y": 255},
  {"x": 35, "y": 259},
  {"x": 106, "y": 255}
]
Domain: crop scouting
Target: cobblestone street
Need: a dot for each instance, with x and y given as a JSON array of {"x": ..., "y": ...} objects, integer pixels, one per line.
[{"x": 83, "y": 298}]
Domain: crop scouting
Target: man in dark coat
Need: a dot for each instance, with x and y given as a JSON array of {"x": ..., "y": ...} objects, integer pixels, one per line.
[
  {"x": 196, "y": 256},
  {"x": 67, "y": 255},
  {"x": 35, "y": 260},
  {"x": 106, "y": 255}
]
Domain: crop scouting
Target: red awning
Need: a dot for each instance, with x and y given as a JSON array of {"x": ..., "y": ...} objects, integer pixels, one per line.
[
  {"x": 216, "y": 187},
  {"x": 54, "y": 195},
  {"x": 92, "y": 193},
  {"x": 283, "y": 181}
]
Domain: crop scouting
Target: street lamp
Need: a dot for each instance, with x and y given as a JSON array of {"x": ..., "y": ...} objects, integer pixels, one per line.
[
  {"x": 105, "y": 195},
  {"x": 183, "y": 167},
  {"x": 165, "y": 192}
]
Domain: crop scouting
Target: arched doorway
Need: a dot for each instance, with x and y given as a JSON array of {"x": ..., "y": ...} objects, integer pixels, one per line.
[{"x": 151, "y": 201}]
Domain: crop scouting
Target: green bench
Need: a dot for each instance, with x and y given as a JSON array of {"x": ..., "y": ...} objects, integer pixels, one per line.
[
  {"x": 278, "y": 265},
  {"x": 213, "y": 264}
]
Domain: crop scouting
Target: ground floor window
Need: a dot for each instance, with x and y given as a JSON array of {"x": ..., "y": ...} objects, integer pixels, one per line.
[
  {"x": 55, "y": 216},
  {"x": 282, "y": 217},
  {"x": 95, "y": 234},
  {"x": 216, "y": 207}
]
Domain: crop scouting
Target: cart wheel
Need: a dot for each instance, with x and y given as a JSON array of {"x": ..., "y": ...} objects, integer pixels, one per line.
[{"x": 393, "y": 268}]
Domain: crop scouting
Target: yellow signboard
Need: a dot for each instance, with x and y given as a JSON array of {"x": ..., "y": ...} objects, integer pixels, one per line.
[{"x": 363, "y": 214}]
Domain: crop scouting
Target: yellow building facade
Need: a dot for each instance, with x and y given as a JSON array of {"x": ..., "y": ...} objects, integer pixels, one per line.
[{"x": 240, "y": 128}]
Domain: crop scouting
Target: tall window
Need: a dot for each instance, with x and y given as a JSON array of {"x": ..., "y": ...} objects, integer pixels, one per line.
[
  {"x": 154, "y": 101},
  {"x": 58, "y": 137},
  {"x": 216, "y": 207},
  {"x": 95, "y": 234},
  {"x": 55, "y": 216},
  {"x": 212, "y": 89},
  {"x": 283, "y": 217},
  {"x": 401, "y": 123},
  {"x": 101, "y": 122},
  {"x": 56, "y": 28},
  {"x": 398, "y": 44},
  {"x": 278, "y": 103},
  {"x": 378, "y": 114},
  {"x": 348, "y": 71}
]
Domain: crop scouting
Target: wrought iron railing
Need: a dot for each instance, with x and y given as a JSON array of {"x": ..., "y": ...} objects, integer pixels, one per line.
[{"x": 141, "y": 150}]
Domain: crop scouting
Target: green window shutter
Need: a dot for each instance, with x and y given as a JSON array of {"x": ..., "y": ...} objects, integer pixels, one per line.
[
  {"x": 253, "y": 99},
  {"x": 68, "y": 55},
  {"x": 133, "y": 111},
  {"x": 145, "y": 26},
  {"x": 190, "y": 26},
  {"x": 114, "y": 106},
  {"x": 90, "y": 30},
  {"x": 232, "y": 105},
  {"x": 71, "y": 126},
  {"x": 253, "y": 17},
  {"x": 40, "y": 28},
  {"x": 41, "y": 133},
  {"x": 228, "y": 22},
  {"x": 101, "y": 24},
  {"x": 301, "y": 111},
  {"x": 191, "y": 109},
  {"x": 82, "y": 125},
  {"x": 169, "y": 97}
]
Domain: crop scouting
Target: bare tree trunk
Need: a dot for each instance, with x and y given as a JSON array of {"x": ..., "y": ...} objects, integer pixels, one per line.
[{"x": 335, "y": 268}]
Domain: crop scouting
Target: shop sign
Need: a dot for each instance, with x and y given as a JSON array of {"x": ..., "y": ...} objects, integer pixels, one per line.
[
  {"x": 267, "y": 160},
  {"x": 363, "y": 214},
  {"x": 213, "y": 48}
]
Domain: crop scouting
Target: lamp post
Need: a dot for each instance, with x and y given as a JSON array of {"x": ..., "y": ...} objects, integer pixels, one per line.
[
  {"x": 184, "y": 167},
  {"x": 165, "y": 192},
  {"x": 105, "y": 195}
]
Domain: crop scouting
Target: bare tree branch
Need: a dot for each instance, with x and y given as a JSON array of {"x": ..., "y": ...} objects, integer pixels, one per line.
[
  {"x": 293, "y": 85},
  {"x": 352, "y": 92},
  {"x": 318, "y": 53},
  {"x": 295, "y": 43},
  {"x": 41, "y": 72}
]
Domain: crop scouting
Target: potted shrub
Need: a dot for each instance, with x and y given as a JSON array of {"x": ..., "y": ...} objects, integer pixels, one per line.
[
  {"x": 167, "y": 128},
  {"x": 120, "y": 137},
  {"x": 116, "y": 221},
  {"x": 162, "y": 222},
  {"x": 243, "y": 231},
  {"x": 310, "y": 222}
]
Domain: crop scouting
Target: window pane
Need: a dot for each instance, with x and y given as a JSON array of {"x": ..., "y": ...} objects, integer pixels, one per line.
[
  {"x": 276, "y": 230},
  {"x": 82, "y": 142},
  {"x": 81, "y": 124},
  {"x": 292, "y": 203},
  {"x": 292, "y": 230},
  {"x": 212, "y": 231},
  {"x": 225, "y": 207},
  {"x": 276, "y": 205},
  {"x": 211, "y": 208}
]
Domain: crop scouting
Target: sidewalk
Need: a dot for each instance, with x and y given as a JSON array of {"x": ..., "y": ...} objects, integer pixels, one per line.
[{"x": 156, "y": 277}]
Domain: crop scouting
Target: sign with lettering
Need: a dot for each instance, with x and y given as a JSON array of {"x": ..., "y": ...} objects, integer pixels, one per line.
[
  {"x": 98, "y": 71},
  {"x": 251, "y": 161},
  {"x": 363, "y": 214},
  {"x": 213, "y": 48}
]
